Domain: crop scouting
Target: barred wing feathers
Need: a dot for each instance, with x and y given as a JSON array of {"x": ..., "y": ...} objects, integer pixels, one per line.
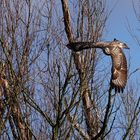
[{"x": 119, "y": 70}]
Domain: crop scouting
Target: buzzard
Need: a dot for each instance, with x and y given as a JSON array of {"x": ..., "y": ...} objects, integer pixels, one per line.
[{"x": 119, "y": 64}]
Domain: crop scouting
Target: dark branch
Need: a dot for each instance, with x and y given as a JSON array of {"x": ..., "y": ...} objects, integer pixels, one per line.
[{"x": 106, "y": 116}]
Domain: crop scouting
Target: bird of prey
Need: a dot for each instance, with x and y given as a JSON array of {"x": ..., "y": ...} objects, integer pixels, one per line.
[{"x": 119, "y": 64}]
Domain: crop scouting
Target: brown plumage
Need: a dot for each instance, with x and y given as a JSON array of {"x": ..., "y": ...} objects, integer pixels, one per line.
[{"x": 119, "y": 64}]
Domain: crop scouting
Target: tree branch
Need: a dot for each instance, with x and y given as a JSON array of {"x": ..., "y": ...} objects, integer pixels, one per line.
[
  {"x": 106, "y": 116},
  {"x": 80, "y": 64},
  {"x": 136, "y": 113},
  {"x": 67, "y": 20}
]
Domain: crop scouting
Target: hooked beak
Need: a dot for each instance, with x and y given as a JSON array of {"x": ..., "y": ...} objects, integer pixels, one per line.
[{"x": 126, "y": 47}]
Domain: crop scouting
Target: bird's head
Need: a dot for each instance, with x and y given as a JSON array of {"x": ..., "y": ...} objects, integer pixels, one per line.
[{"x": 119, "y": 44}]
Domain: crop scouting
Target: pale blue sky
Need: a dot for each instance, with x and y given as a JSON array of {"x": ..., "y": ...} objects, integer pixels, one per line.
[{"x": 117, "y": 25}]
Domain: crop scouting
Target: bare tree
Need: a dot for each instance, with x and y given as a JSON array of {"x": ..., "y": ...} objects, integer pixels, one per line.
[
  {"x": 18, "y": 30},
  {"x": 49, "y": 92},
  {"x": 94, "y": 128}
]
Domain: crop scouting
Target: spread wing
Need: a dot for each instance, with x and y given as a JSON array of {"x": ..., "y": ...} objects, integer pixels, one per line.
[
  {"x": 119, "y": 70},
  {"x": 79, "y": 46}
]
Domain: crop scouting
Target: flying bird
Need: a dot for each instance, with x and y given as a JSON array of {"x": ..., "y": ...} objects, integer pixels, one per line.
[{"x": 119, "y": 64}]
